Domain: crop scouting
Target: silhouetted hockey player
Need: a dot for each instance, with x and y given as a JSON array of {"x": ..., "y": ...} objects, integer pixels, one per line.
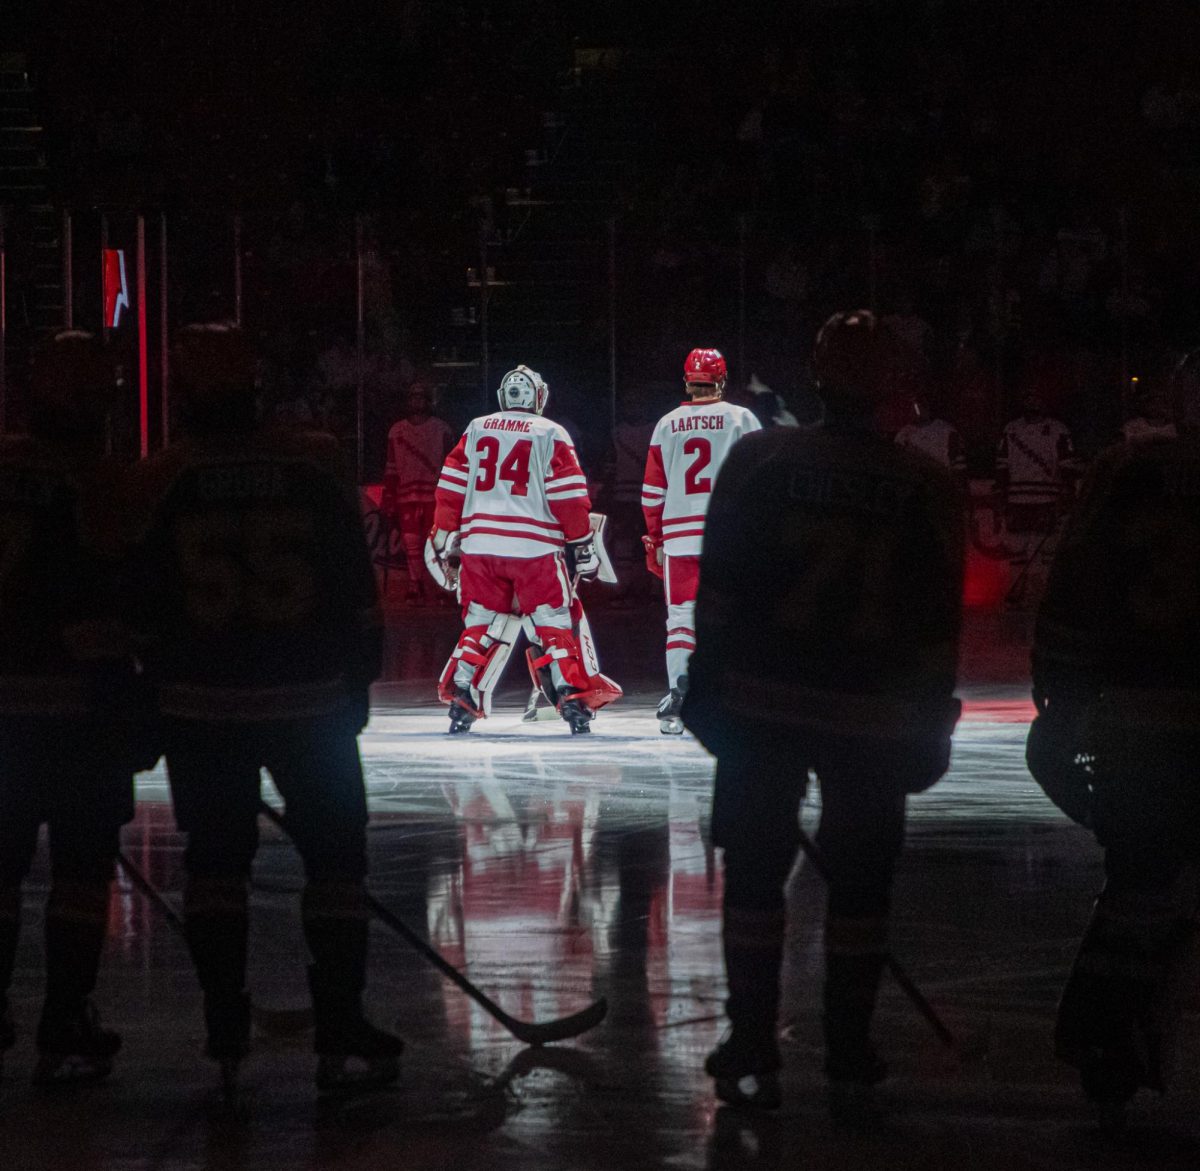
[
  {"x": 258, "y": 607},
  {"x": 826, "y": 639},
  {"x": 513, "y": 501},
  {"x": 1116, "y": 675},
  {"x": 68, "y": 708}
]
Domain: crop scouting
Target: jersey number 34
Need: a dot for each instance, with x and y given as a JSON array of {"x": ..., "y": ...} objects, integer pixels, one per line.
[{"x": 514, "y": 469}]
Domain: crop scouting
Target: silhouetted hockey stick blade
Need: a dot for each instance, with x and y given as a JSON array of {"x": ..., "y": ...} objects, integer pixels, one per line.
[
  {"x": 530, "y": 1032},
  {"x": 276, "y": 1021}
]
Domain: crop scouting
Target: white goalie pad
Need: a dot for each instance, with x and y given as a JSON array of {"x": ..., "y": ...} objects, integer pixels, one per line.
[
  {"x": 502, "y": 632},
  {"x": 440, "y": 569},
  {"x": 599, "y": 522}
]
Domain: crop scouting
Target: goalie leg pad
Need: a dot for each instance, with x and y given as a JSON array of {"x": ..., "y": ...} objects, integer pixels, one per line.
[
  {"x": 479, "y": 658},
  {"x": 538, "y": 663},
  {"x": 466, "y": 662},
  {"x": 560, "y": 652}
]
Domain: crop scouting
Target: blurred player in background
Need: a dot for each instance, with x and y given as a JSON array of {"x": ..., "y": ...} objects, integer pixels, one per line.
[
  {"x": 934, "y": 437},
  {"x": 1035, "y": 479},
  {"x": 687, "y": 449},
  {"x": 416, "y": 447}
]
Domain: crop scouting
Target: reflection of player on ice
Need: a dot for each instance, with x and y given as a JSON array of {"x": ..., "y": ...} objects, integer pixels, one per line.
[{"x": 513, "y": 494}]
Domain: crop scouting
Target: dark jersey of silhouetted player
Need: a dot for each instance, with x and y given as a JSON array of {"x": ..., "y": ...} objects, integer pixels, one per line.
[
  {"x": 830, "y": 588},
  {"x": 255, "y": 589},
  {"x": 1122, "y": 607},
  {"x": 56, "y": 540}
]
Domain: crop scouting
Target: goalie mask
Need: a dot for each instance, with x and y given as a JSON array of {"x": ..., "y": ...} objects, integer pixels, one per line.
[{"x": 523, "y": 389}]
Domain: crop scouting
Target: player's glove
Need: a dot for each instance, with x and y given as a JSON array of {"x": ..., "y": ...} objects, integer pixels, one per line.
[
  {"x": 654, "y": 555},
  {"x": 442, "y": 558},
  {"x": 582, "y": 559}
]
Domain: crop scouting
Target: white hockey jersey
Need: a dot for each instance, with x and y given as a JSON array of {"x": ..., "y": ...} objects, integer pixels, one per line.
[
  {"x": 513, "y": 487},
  {"x": 687, "y": 449},
  {"x": 937, "y": 439},
  {"x": 1033, "y": 457}
]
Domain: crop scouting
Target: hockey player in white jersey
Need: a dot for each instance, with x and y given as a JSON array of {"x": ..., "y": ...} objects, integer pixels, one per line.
[
  {"x": 513, "y": 494},
  {"x": 1035, "y": 474},
  {"x": 687, "y": 449},
  {"x": 935, "y": 438}
]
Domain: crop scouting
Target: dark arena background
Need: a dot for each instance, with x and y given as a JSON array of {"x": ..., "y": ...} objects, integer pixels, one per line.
[{"x": 427, "y": 193}]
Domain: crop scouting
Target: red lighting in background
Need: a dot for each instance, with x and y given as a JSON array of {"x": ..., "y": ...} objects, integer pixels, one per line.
[{"x": 986, "y": 581}]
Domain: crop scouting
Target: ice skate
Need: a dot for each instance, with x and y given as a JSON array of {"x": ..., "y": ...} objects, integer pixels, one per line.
[
  {"x": 745, "y": 1075},
  {"x": 575, "y": 712},
  {"x": 74, "y": 1047},
  {"x": 357, "y": 1057},
  {"x": 670, "y": 720},
  {"x": 462, "y": 712}
]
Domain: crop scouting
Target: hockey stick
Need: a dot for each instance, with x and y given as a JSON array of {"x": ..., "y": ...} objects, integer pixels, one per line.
[
  {"x": 276, "y": 1021},
  {"x": 530, "y": 1032},
  {"x": 920, "y": 1003},
  {"x": 1014, "y": 590}
]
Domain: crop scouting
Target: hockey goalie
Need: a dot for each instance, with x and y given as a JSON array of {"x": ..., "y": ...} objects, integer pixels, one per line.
[{"x": 512, "y": 532}]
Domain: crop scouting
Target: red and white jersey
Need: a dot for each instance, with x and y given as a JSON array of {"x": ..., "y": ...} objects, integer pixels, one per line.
[
  {"x": 513, "y": 487},
  {"x": 414, "y": 458},
  {"x": 937, "y": 439},
  {"x": 1033, "y": 457},
  {"x": 687, "y": 449}
]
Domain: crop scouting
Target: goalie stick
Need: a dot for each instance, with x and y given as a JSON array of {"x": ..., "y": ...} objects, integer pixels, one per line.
[{"x": 530, "y": 1032}]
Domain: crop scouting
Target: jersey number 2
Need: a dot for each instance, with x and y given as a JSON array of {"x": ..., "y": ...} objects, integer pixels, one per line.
[
  {"x": 694, "y": 484},
  {"x": 514, "y": 469}
]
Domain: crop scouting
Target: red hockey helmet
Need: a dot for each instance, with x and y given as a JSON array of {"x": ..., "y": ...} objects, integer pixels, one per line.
[{"x": 705, "y": 366}]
